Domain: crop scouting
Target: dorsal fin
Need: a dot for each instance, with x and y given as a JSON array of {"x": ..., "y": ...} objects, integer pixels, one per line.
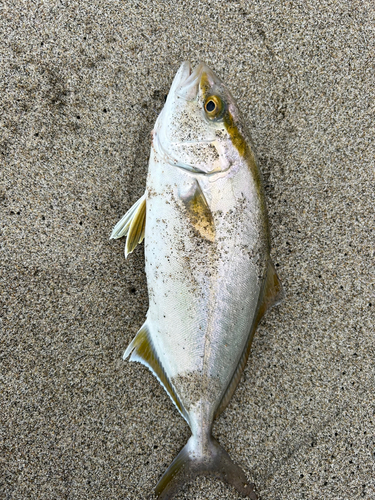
[
  {"x": 271, "y": 295},
  {"x": 142, "y": 350}
]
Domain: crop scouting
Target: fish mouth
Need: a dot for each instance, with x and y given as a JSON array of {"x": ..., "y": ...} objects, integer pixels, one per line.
[
  {"x": 183, "y": 73},
  {"x": 201, "y": 77},
  {"x": 187, "y": 81}
]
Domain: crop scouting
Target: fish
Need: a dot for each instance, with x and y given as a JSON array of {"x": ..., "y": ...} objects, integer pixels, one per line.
[{"x": 210, "y": 277}]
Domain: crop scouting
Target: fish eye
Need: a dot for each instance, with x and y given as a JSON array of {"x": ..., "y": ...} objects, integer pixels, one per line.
[
  {"x": 210, "y": 106},
  {"x": 213, "y": 106}
]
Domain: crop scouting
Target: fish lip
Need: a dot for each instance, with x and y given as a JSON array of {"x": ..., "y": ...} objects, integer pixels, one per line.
[
  {"x": 183, "y": 73},
  {"x": 188, "y": 89},
  {"x": 186, "y": 70}
]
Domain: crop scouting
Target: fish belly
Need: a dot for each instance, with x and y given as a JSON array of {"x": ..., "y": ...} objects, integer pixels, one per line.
[{"x": 203, "y": 284}]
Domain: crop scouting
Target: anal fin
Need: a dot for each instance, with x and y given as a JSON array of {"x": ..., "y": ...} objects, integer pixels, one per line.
[
  {"x": 142, "y": 350},
  {"x": 272, "y": 294}
]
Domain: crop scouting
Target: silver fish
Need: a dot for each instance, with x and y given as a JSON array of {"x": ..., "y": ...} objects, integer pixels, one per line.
[{"x": 209, "y": 273}]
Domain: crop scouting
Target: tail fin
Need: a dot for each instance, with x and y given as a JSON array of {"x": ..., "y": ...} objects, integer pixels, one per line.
[{"x": 191, "y": 462}]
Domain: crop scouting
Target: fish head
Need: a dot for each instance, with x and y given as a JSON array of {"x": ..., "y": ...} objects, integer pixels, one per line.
[{"x": 200, "y": 127}]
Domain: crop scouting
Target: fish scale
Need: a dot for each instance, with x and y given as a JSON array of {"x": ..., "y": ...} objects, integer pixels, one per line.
[{"x": 209, "y": 273}]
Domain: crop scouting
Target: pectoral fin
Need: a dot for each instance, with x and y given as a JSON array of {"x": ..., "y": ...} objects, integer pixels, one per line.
[
  {"x": 198, "y": 211},
  {"x": 142, "y": 350},
  {"x": 132, "y": 225}
]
